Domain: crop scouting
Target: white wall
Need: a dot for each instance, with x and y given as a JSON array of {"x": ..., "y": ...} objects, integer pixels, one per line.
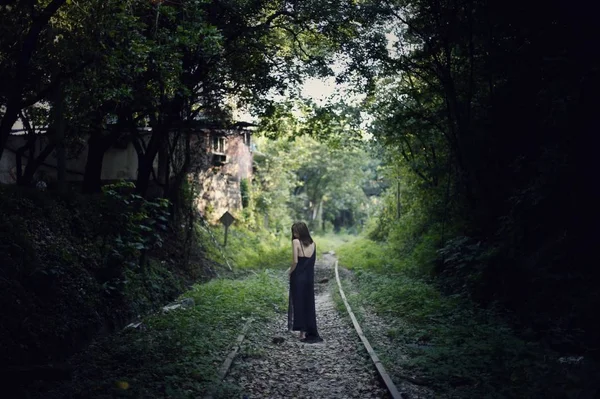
[{"x": 118, "y": 163}]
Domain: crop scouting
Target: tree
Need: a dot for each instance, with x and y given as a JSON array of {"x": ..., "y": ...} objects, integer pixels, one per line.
[
  {"x": 31, "y": 75},
  {"x": 159, "y": 64},
  {"x": 482, "y": 103},
  {"x": 323, "y": 149}
]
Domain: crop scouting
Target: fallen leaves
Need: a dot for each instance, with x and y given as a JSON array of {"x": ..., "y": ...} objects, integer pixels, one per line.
[{"x": 336, "y": 368}]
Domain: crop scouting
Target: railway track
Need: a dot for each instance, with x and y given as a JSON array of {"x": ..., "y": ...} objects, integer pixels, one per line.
[
  {"x": 385, "y": 377},
  {"x": 272, "y": 364}
]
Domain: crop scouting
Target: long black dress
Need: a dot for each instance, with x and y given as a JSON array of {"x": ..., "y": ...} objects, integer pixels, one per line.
[{"x": 301, "y": 310}]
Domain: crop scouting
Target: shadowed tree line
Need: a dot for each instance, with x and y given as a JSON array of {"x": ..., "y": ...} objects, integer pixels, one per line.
[
  {"x": 482, "y": 114},
  {"x": 483, "y": 111},
  {"x": 487, "y": 105}
]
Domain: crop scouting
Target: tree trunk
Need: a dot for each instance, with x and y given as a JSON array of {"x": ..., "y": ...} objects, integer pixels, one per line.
[
  {"x": 34, "y": 164},
  {"x": 30, "y": 145},
  {"x": 19, "y": 162},
  {"x": 14, "y": 104},
  {"x": 146, "y": 162},
  {"x": 174, "y": 190},
  {"x": 163, "y": 169},
  {"x": 98, "y": 144},
  {"x": 317, "y": 214},
  {"x": 313, "y": 215},
  {"x": 8, "y": 120},
  {"x": 61, "y": 150},
  {"x": 144, "y": 171},
  {"x": 398, "y": 199},
  {"x": 160, "y": 135},
  {"x": 92, "y": 178}
]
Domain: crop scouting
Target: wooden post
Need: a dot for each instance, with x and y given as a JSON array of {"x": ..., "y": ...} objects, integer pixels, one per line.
[{"x": 227, "y": 219}]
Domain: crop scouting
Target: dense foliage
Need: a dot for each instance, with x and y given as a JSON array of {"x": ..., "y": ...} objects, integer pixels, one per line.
[
  {"x": 78, "y": 266},
  {"x": 477, "y": 108},
  {"x": 301, "y": 178},
  {"x": 97, "y": 72},
  {"x": 479, "y": 116},
  {"x": 447, "y": 342}
]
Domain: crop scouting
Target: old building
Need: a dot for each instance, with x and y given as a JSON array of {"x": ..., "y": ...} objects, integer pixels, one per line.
[
  {"x": 225, "y": 162},
  {"x": 221, "y": 184}
]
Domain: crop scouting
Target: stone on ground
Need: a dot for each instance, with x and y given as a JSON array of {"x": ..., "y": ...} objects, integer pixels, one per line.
[{"x": 339, "y": 367}]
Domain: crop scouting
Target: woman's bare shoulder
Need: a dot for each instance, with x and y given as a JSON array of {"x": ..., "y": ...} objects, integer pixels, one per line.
[{"x": 296, "y": 241}]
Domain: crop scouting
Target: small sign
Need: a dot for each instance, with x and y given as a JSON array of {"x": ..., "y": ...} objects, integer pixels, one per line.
[{"x": 227, "y": 219}]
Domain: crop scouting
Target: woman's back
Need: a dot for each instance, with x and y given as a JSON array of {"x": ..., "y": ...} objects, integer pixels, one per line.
[
  {"x": 305, "y": 251},
  {"x": 301, "y": 312}
]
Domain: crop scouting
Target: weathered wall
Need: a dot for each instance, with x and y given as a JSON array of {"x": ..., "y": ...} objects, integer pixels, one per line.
[
  {"x": 239, "y": 158},
  {"x": 8, "y": 175},
  {"x": 118, "y": 163},
  {"x": 220, "y": 185}
]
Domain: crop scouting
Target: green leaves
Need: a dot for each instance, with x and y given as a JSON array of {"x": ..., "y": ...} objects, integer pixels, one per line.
[
  {"x": 325, "y": 149},
  {"x": 142, "y": 222},
  {"x": 458, "y": 348}
]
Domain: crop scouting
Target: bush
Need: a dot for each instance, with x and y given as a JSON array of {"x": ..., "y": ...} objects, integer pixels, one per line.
[
  {"x": 460, "y": 349},
  {"x": 365, "y": 254},
  {"x": 246, "y": 249},
  {"x": 245, "y": 192},
  {"x": 176, "y": 354},
  {"x": 70, "y": 264}
]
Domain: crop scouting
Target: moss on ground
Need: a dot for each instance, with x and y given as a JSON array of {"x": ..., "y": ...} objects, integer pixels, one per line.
[
  {"x": 457, "y": 348},
  {"x": 177, "y": 354}
]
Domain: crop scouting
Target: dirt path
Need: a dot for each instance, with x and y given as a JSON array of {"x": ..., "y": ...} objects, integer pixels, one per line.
[{"x": 337, "y": 368}]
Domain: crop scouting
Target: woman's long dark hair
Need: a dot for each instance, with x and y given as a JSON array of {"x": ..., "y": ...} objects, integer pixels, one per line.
[{"x": 301, "y": 230}]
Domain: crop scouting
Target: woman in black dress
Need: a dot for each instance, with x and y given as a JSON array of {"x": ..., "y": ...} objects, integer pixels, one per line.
[{"x": 301, "y": 312}]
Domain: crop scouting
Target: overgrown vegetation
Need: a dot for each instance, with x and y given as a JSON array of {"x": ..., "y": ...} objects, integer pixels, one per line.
[
  {"x": 334, "y": 188},
  {"x": 176, "y": 354},
  {"x": 84, "y": 266},
  {"x": 248, "y": 250},
  {"x": 477, "y": 112},
  {"x": 87, "y": 77},
  {"x": 449, "y": 343},
  {"x": 75, "y": 266},
  {"x": 479, "y": 157}
]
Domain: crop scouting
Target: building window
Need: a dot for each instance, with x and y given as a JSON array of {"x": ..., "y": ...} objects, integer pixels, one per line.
[
  {"x": 219, "y": 159},
  {"x": 218, "y": 144}
]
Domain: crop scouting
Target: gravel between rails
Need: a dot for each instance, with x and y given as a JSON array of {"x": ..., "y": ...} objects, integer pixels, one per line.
[{"x": 339, "y": 367}]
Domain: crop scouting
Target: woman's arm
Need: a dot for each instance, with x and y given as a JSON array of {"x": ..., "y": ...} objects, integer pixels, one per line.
[{"x": 295, "y": 249}]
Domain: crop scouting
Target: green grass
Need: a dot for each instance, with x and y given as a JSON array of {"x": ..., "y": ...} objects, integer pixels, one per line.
[
  {"x": 464, "y": 351},
  {"x": 257, "y": 250},
  {"x": 332, "y": 242},
  {"x": 365, "y": 254},
  {"x": 177, "y": 354},
  {"x": 246, "y": 249}
]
